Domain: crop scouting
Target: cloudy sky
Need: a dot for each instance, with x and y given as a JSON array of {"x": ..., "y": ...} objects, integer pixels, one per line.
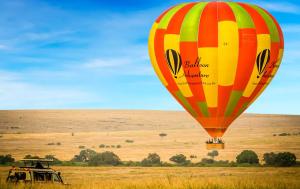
[{"x": 93, "y": 54}]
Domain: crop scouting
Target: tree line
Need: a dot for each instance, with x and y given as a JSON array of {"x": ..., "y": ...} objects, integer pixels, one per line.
[{"x": 88, "y": 157}]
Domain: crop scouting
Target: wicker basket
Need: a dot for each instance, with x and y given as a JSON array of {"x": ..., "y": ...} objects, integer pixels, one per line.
[{"x": 212, "y": 146}]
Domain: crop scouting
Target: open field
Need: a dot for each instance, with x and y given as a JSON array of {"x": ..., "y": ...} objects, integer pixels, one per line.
[
  {"x": 30, "y": 132},
  {"x": 174, "y": 178}
]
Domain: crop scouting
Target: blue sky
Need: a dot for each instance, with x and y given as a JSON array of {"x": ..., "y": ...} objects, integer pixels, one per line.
[{"x": 93, "y": 54}]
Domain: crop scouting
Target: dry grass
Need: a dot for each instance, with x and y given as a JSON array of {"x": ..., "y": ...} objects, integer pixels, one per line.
[
  {"x": 174, "y": 178},
  {"x": 29, "y": 132}
]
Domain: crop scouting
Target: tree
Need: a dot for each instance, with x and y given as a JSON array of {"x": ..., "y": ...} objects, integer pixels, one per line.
[
  {"x": 284, "y": 159},
  {"x": 84, "y": 155},
  {"x": 213, "y": 153},
  {"x": 105, "y": 158},
  {"x": 247, "y": 156},
  {"x": 4, "y": 159},
  {"x": 270, "y": 158},
  {"x": 207, "y": 161},
  {"x": 152, "y": 159},
  {"x": 179, "y": 158}
]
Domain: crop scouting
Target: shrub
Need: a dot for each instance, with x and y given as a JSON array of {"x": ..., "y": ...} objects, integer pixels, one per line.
[
  {"x": 207, "y": 161},
  {"x": 51, "y": 143},
  {"x": 283, "y": 159},
  {"x": 152, "y": 159},
  {"x": 84, "y": 155},
  {"x": 284, "y": 134},
  {"x": 4, "y": 159},
  {"x": 81, "y": 147},
  {"x": 129, "y": 141},
  {"x": 179, "y": 159},
  {"x": 112, "y": 146},
  {"x": 247, "y": 156},
  {"x": 213, "y": 153},
  {"x": 105, "y": 158},
  {"x": 163, "y": 135},
  {"x": 72, "y": 134},
  {"x": 102, "y": 146},
  {"x": 193, "y": 156},
  {"x": 58, "y": 143},
  {"x": 119, "y": 146}
]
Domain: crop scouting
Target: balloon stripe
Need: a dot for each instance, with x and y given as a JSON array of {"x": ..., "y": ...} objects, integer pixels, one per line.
[
  {"x": 207, "y": 51},
  {"x": 163, "y": 24},
  {"x": 267, "y": 75},
  {"x": 208, "y": 27},
  {"x": 172, "y": 87},
  {"x": 228, "y": 50},
  {"x": 163, "y": 14},
  {"x": 275, "y": 38},
  {"x": 225, "y": 12},
  {"x": 233, "y": 100},
  {"x": 190, "y": 59},
  {"x": 186, "y": 103},
  {"x": 270, "y": 23},
  {"x": 263, "y": 42},
  {"x": 209, "y": 77},
  {"x": 175, "y": 23},
  {"x": 242, "y": 18},
  {"x": 246, "y": 59},
  {"x": 189, "y": 55},
  {"x": 263, "y": 39},
  {"x": 171, "y": 41},
  {"x": 189, "y": 27},
  {"x": 153, "y": 57},
  {"x": 203, "y": 108},
  {"x": 281, "y": 43},
  {"x": 161, "y": 60},
  {"x": 259, "y": 23}
]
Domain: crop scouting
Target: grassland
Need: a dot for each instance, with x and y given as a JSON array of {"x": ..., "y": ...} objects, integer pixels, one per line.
[
  {"x": 175, "y": 177},
  {"x": 30, "y": 132}
]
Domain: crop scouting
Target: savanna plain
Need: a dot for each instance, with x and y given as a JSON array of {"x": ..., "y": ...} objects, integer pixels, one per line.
[{"x": 64, "y": 133}]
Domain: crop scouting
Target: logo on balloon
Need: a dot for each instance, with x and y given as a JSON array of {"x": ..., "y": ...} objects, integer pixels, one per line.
[
  {"x": 174, "y": 61},
  {"x": 262, "y": 60}
]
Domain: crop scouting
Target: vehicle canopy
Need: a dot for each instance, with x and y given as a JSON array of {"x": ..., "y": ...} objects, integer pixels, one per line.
[{"x": 34, "y": 170}]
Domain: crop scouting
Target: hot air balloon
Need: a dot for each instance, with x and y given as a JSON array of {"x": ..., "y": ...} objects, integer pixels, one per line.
[{"x": 215, "y": 58}]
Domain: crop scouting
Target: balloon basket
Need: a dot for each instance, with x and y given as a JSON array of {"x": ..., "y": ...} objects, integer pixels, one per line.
[{"x": 215, "y": 146}]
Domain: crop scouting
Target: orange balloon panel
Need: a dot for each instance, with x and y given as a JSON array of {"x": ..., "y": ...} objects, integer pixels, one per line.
[{"x": 215, "y": 58}]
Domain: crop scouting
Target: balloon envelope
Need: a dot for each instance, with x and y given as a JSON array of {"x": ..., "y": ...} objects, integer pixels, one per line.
[{"x": 215, "y": 58}]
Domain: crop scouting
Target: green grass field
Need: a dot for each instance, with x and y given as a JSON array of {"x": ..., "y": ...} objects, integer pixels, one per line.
[{"x": 171, "y": 178}]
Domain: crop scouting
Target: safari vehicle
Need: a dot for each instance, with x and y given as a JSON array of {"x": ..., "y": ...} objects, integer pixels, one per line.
[{"x": 34, "y": 171}]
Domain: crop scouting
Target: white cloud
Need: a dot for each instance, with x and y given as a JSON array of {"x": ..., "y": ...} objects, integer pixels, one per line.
[
  {"x": 291, "y": 28},
  {"x": 4, "y": 47},
  {"x": 17, "y": 94},
  {"x": 283, "y": 7},
  {"x": 118, "y": 66},
  {"x": 106, "y": 63}
]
